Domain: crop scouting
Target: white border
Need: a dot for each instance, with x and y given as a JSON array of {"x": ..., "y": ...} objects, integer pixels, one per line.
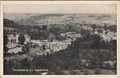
[{"x": 59, "y": 2}]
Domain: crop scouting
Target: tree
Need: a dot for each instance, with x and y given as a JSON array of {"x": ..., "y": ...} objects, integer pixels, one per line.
[
  {"x": 56, "y": 31},
  {"x": 5, "y": 39},
  {"x": 10, "y": 23},
  {"x": 94, "y": 27},
  {"x": 21, "y": 39},
  {"x": 88, "y": 42},
  {"x": 105, "y": 26},
  {"x": 95, "y": 41},
  {"x": 44, "y": 27},
  {"x": 25, "y": 48},
  {"x": 85, "y": 32},
  {"x": 112, "y": 45},
  {"x": 44, "y": 35},
  {"x": 5, "y": 43}
]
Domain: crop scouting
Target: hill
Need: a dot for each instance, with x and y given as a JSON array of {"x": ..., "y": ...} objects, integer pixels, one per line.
[{"x": 38, "y": 19}]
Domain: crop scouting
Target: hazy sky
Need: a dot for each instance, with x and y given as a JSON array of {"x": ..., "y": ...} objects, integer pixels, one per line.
[{"x": 61, "y": 8}]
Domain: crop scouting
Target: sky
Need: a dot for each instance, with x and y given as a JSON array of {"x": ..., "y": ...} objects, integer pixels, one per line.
[{"x": 61, "y": 8}]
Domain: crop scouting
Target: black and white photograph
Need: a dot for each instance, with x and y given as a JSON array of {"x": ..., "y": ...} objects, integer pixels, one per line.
[{"x": 60, "y": 39}]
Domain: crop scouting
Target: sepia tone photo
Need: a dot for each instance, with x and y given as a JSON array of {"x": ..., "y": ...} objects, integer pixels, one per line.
[{"x": 64, "y": 39}]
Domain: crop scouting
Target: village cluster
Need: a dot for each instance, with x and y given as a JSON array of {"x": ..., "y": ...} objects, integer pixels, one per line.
[
  {"x": 47, "y": 46},
  {"x": 44, "y": 45}
]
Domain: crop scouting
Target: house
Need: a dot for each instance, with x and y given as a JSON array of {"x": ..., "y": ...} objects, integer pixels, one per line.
[
  {"x": 15, "y": 50},
  {"x": 12, "y": 38},
  {"x": 109, "y": 63},
  {"x": 109, "y": 36},
  {"x": 27, "y": 39}
]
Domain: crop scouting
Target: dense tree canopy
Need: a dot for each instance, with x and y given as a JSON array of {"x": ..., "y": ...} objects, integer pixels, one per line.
[
  {"x": 21, "y": 39},
  {"x": 5, "y": 39}
]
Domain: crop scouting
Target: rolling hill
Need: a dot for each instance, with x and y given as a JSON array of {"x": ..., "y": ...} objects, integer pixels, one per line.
[{"x": 38, "y": 19}]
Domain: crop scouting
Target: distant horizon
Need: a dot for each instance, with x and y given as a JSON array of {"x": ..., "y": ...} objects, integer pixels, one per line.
[{"x": 64, "y": 13}]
